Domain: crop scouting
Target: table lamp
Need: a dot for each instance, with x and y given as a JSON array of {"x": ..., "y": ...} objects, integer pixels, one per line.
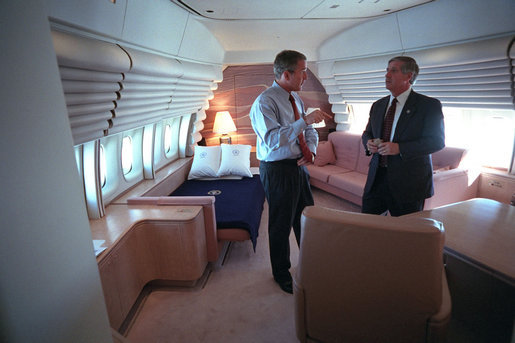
[{"x": 224, "y": 124}]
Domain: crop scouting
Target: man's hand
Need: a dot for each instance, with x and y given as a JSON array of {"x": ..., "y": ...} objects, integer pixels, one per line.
[
  {"x": 303, "y": 161},
  {"x": 388, "y": 148},
  {"x": 372, "y": 145},
  {"x": 316, "y": 117}
]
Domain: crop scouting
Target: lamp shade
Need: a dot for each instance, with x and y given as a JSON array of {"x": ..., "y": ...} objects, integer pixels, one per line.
[{"x": 223, "y": 123}]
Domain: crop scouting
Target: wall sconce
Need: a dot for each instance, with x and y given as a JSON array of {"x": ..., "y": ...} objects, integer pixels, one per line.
[
  {"x": 223, "y": 125},
  {"x": 315, "y": 125}
]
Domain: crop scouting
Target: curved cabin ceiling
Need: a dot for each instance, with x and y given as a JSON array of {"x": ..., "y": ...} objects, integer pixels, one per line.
[{"x": 254, "y": 31}]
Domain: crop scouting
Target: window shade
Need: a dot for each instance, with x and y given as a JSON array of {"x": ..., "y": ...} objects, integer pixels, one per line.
[
  {"x": 110, "y": 88},
  {"x": 470, "y": 75},
  {"x": 91, "y": 72}
]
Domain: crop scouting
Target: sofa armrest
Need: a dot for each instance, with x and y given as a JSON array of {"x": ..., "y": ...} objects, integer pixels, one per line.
[
  {"x": 208, "y": 207},
  {"x": 452, "y": 186}
]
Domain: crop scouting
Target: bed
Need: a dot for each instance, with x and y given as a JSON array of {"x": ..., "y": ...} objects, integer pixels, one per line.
[
  {"x": 238, "y": 204},
  {"x": 220, "y": 180}
]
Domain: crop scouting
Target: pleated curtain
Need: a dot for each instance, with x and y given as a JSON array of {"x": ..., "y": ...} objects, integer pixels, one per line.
[
  {"x": 111, "y": 88},
  {"x": 91, "y": 73},
  {"x": 471, "y": 75}
]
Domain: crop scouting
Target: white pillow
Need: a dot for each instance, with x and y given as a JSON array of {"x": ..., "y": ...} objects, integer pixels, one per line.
[
  {"x": 235, "y": 160},
  {"x": 206, "y": 162}
]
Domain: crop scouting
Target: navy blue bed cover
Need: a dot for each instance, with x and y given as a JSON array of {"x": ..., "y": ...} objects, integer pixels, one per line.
[{"x": 238, "y": 204}]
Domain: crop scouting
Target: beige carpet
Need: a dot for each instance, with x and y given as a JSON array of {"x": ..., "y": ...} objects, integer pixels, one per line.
[{"x": 239, "y": 303}]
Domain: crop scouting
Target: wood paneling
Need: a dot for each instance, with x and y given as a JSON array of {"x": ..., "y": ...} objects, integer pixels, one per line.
[{"x": 241, "y": 85}]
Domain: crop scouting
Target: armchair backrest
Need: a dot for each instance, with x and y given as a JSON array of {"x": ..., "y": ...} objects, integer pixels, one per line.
[{"x": 367, "y": 278}]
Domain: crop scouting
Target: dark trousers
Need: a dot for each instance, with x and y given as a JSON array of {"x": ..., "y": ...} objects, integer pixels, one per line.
[
  {"x": 287, "y": 192},
  {"x": 380, "y": 198}
]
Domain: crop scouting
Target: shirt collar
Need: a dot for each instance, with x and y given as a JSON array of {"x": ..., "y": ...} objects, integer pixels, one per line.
[
  {"x": 281, "y": 90},
  {"x": 402, "y": 97}
]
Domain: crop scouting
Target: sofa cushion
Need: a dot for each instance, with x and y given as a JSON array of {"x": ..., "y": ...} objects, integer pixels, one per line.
[
  {"x": 352, "y": 182},
  {"x": 325, "y": 154},
  {"x": 346, "y": 148},
  {"x": 322, "y": 173}
]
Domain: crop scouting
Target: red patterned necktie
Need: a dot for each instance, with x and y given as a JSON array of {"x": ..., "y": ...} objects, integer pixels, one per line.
[
  {"x": 303, "y": 146},
  {"x": 387, "y": 129}
]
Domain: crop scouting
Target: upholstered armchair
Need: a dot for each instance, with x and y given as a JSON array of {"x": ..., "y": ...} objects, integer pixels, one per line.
[{"x": 369, "y": 278}]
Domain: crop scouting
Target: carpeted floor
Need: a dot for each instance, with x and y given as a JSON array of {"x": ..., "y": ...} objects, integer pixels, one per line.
[{"x": 240, "y": 301}]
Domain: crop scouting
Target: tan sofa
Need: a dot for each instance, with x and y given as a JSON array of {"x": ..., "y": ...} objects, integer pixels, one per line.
[
  {"x": 341, "y": 168},
  {"x": 367, "y": 278}
]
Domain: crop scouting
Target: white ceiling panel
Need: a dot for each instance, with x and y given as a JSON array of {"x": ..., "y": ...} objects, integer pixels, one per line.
[
  {"x": 298, "y": 9},
  {"x": 255, "y": 30}
]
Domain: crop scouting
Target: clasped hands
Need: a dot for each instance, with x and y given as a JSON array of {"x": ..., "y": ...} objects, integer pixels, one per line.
[{"x": 376, "y": 145}]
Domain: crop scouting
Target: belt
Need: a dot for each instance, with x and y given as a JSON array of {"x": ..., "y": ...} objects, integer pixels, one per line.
[{"x": 283, "y": 162}]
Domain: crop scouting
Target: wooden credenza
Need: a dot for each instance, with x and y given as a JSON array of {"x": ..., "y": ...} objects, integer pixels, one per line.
[{"x": 146, "y": 243}]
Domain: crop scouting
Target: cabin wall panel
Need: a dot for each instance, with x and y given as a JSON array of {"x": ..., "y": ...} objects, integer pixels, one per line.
[
  {"x": 95, "y": 15},
  {"x": 376, "y": 36},
  {"x": 437, "y": 23},
  {"x": 200, "y": 44},
  {"x": 447, "y": 21},
  {"x": 159, "y": 26},
  {"x": 497, "y": 187},
  {"x": 50, "y": 289}
]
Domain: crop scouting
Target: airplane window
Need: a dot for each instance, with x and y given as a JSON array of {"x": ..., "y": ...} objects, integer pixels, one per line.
[
  {"x": 103, "y": 164},
  {"x": 358, "y": 117},
  {"x": 126, "y": 155},
  {"x": 171, "y": 140},
  {"x": 168, "y": 138},
  {"x": 487, "y": 134}
]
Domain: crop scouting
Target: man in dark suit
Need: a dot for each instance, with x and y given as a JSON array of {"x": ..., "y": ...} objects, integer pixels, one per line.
[{"x": 403, "y": 130}]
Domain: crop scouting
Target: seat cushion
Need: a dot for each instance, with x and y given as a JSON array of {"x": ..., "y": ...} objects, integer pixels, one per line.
[
  {"x": 323, "y": 173},
  {"x": 352, "y": 182}
]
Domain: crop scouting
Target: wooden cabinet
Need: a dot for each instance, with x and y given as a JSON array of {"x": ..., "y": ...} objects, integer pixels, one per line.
[
  {"x": 152, "y": 248},
  {"x": 500, "y": 187}
]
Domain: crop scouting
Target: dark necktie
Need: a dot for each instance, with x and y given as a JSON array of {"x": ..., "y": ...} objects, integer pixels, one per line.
[
  {"x": 387, "y": 129},
  {"x": 303, "y": 146}
]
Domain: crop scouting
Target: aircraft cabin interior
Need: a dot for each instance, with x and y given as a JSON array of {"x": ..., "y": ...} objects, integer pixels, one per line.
[{"x": 133, "y": 207}]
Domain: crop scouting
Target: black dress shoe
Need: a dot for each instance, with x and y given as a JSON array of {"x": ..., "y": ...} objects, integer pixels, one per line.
[{"x": 286, "y": 286}]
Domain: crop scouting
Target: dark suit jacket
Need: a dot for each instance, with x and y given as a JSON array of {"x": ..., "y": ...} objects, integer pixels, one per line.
[{"x": 419, "y": 133}]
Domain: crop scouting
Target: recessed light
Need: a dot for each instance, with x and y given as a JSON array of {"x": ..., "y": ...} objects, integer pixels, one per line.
[
  {"x": 334, "y": 6},
  {"x": 210, "y": 11}
]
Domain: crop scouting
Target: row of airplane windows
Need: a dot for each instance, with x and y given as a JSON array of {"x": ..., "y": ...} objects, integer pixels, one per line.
[
  {"x": 127, "y": 155},
  {"x": 111, "y": 165}
]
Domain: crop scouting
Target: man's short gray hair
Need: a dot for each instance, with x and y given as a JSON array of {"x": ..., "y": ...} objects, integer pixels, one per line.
[
  {"x": 409, "y": 65},
  {"x": 286, "y": 60}
]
